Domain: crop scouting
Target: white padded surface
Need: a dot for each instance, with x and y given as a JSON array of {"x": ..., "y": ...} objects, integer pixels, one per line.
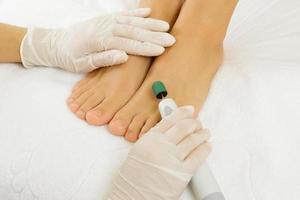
[{"x": 253, "y": 110}]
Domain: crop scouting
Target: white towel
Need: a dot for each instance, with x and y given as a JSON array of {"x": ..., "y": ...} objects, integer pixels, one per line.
[{"x": 253, "y": 110}]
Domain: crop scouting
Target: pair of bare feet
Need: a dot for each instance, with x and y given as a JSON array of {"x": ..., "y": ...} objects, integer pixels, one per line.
[{"x": 121, "y": 96}]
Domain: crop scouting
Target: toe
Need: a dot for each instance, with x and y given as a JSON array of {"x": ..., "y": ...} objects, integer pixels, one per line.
[
  {"x": 76, "y": 94},
  {"x": 151, "y": 122},
  {"x": 92, "y": 102},
  {"x": 119, "y": 124},
  {"x": 81, "y": 114},
  {"x": 79, "y": 101},
  {"x": 105, "y": 111},
  {"x": 80, "y": 84},
  {"x": 89, "y": 78},
  {"x": 135, "y": 128}
]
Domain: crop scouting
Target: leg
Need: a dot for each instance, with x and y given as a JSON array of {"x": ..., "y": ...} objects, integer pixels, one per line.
[
  {"x": 10, "y": 39},
  {"x": 187, "y": 68},
  {"x": 103, "y": 92}
]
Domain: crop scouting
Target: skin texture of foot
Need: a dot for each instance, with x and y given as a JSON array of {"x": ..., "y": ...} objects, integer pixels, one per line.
[
  {"x": 187, "y": 76},
  {"x": 102, "y": 93},
  {"x": 187, "y": 68},
  {"x": 98, "y": 96},
  {"x": 115, "y": 95}
]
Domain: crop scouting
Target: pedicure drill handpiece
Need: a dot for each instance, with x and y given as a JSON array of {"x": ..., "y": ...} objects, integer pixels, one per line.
[{"x": 203, "y": 183}]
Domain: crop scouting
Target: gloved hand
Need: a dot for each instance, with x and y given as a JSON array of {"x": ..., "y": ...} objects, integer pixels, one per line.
[
  {"x": 161, "y": 164},
  {"x": 98, "y": 42}
]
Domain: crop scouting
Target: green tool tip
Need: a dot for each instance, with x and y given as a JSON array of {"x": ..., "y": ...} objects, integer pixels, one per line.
[{"x": 159, "y": 90}]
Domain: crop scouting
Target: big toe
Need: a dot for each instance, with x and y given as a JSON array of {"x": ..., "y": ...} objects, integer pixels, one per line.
[
  {"x": 97, "y": 117},
  {"x": 120, "y": 123},
  {"x": 135, "y": 127},
  {"x": 118, "y": 127}
]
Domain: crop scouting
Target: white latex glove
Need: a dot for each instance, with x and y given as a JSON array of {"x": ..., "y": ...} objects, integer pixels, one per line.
[
  {"x": 161, "y": 164},
  {"x": 98, "y": 42}
]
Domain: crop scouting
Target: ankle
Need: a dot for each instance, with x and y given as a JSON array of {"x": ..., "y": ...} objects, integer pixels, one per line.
[
  {"x": 163, "y": 9},
  {"x": 205, "y": 36},
  {"x": 203, "y": 19}
]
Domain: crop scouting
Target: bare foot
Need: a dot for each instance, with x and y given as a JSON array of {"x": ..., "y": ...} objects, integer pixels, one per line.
[
  {"x": 186, "y": 69},
  {"x": 103, "y": 92}
]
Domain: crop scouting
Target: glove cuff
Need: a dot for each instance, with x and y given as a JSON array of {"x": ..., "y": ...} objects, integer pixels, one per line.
[
  {"x": 33, "y": 47},
  {"x": 27, "y": 48}
]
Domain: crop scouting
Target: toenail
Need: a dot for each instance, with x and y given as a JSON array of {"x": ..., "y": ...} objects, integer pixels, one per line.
[
  {"x": 130, "y": 133},
  {"x": 131, "y": 136},
  {"x": 70, "y": 100},
  {"x": 96, "y": 114},
  {"x": 80, "y": 113},
  {"x": 97, "y": 117},
  {"x": 141, "y": 135},
  {"x": 118, "y": 124},
  {"x": 74, "y": 107}
]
